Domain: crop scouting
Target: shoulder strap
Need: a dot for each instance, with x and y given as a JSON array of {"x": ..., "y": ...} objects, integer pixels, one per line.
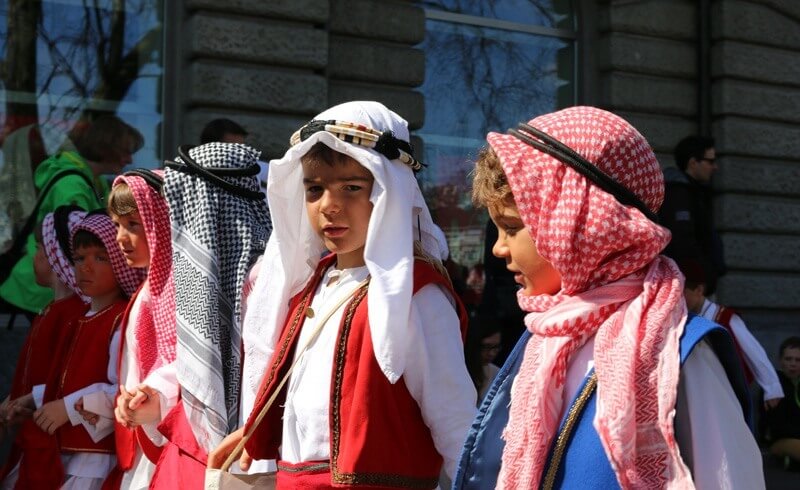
[{"x": 22, "y": 236}]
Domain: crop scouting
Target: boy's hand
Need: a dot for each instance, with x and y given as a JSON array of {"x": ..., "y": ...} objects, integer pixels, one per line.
[
  {"x": 218, "y": 456},
  {"x": 90, "y": 417},
  {"x": 772, "y": 403},
  {"x": 51, "y": 416},
  {"x": 140, "y": 407},
  {"x": 19, "y": 409}
]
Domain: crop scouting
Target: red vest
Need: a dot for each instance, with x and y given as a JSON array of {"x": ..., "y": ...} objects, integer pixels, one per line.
[
  {"x": 84, "y": 362},
  {"x": 723, "y": 317},
  {"x": 377, "y": 434},
  {"x": 49, "y": 329}
]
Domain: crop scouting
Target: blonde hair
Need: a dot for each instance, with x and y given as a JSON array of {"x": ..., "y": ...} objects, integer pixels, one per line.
[
  {"x": 490, "y": 187},
  {"x": 121, "y": 201}
]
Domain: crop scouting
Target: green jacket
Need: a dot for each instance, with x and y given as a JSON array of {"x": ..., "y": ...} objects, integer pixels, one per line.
[{"x": 20, "y": 288}]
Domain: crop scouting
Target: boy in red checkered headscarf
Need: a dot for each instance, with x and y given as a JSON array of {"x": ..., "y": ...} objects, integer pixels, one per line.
[{"x": 611, "y": 385}]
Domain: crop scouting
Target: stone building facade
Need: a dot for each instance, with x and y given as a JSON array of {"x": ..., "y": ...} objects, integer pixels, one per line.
[{"x": 729, "y": 68}]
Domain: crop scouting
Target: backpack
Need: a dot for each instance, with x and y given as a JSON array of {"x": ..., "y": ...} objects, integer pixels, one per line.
[{"x": 11, "y": 256}]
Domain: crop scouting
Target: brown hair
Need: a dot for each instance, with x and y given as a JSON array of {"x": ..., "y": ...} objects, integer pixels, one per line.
[
  {"x": 322, "y": 153},
  {"x": 489, "y": 183},
  {"x": 121, "y": 201},
  {"x": 107, "y": 139},
  {"x": 85, "y": 238}
]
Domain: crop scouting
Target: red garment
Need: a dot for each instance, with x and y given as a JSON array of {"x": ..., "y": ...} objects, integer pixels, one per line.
[
  {"x": 183, "y": 462},
  {"x": 81, "y": 361},
  {"x": 48, "y": 330},
  {"x": 378, "y": 436},
  {"x": 85, "y": 362},
  {"x": 314, "y": 475},
  {"x": 723, "y": 317}
]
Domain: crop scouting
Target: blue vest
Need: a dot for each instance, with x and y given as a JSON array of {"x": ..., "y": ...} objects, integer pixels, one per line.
[{"x": 583, "y": 455}]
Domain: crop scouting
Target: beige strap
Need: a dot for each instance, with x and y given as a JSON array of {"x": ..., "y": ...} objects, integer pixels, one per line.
[{"x": 240, "y": 447}]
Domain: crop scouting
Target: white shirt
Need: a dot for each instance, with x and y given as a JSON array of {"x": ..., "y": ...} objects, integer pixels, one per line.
[
  {"x": 754, "y": 355},
  {"x": 713, "y": 437},
  {"x": 436, "y": 375},
  {"x": 162, "y": 379}
]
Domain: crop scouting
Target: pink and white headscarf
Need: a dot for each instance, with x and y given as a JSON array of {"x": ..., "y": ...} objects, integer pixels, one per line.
[
  {"x": 615, "y": 288},
  {"x": 155, "y": 326},
  {"x": 101, "y": 226},
  {"x": 56, "y": 255}
]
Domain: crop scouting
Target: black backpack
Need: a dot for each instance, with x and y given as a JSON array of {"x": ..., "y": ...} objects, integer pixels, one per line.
[{"x": 9, "y": 258}]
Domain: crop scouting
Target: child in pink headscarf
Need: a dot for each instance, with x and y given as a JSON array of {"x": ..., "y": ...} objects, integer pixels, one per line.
[{"x": 611, "y": 385}]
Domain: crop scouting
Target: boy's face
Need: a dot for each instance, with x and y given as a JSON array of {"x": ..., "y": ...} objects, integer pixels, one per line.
[
  {"x": 93, "y": 272},
  {"x": 132, "y": 239},
  {"x": 338, "y": 206},
  {"x": 41, "y": 267},
  {"x": 515, "y": 245},
  {"x": 490, "y": 347},
  {"x": 695, "y": 297},
  {"x": 790, "y": 362}
]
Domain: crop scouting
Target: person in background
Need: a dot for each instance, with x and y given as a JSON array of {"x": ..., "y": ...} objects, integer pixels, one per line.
[
  {"x": 484, "y": 342},
  {"x": 687, "y": 208},
  {"x": 754, "y": 359},
  {"x": 103, "y": 147},
  {"x": 222, "y": 131},
  {"x": 783, "y": 421}
]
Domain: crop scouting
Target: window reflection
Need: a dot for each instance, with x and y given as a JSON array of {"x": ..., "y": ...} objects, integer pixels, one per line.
[
  {"x": 549, "y": 13},
  {"x": 478, "y": 80},
  {"x": 69, "y": 61}
]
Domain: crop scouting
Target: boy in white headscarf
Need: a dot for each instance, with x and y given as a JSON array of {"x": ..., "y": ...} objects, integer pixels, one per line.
[{"x": 381, "y": 395}]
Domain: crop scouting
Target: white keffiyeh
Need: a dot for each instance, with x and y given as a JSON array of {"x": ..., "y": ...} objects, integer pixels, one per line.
[{"x": 399, "y": 217}]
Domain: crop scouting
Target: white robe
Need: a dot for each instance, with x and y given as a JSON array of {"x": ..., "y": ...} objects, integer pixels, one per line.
[
  {"x": 754, "y": 355},
  {"x": 714, "y": 440},
  {"x": 162, "y": 379}
]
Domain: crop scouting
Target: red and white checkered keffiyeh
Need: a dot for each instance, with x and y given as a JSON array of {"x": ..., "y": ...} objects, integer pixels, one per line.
[
  {"x": 155, "y": 326},
  {"x": 615, "y": 288},
  {"x": 101, "y": 226},
  {"x": 56, "y": 256}
]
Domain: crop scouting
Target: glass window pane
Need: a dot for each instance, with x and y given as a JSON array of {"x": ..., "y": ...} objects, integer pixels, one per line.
[
  {"x": 548, "y": 13},
  {"x": 78, "y": 59},
  {"x": 479, "y": 80}
]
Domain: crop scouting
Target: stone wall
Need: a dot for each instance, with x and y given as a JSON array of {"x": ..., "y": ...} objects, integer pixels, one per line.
[
  {"x": 647, "y": 70},
  {"x": 756, "y": 108},
  {"x": 273, "y": 65}
]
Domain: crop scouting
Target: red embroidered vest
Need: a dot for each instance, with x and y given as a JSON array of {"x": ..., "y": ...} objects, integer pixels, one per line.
[
  {"x": 377, "y": 434},
  {"x": 85, "y": 362}
]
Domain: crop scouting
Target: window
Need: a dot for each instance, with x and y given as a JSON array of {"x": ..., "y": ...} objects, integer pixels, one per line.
[
  {"x": 68, "y": 61},
  {"x": 489, "y": 65}
]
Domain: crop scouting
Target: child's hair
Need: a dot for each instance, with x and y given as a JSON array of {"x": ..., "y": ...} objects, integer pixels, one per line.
[
  {"x": 322, "y": 153},
  {"x": 789, "y": 343},
  {"x": 489, "y": 183},
  {"x": 121, "y": 201},
  {"x": 84, "y": 238}
]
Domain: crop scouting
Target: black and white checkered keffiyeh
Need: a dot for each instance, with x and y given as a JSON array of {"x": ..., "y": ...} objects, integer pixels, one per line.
[{"x": 217, "y": 236}]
